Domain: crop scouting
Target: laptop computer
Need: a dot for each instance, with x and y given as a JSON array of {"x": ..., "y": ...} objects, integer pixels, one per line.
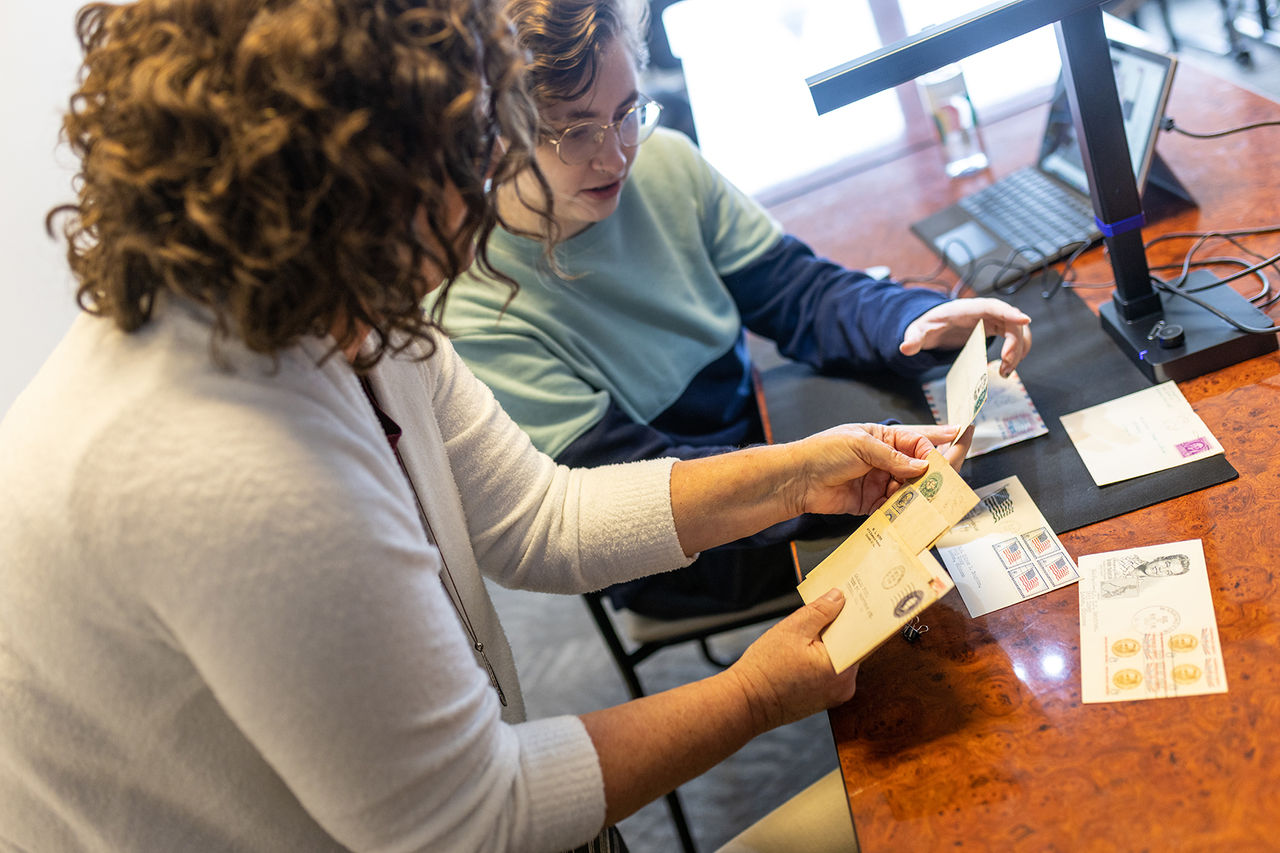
[{"x": 1043, "y": 212}]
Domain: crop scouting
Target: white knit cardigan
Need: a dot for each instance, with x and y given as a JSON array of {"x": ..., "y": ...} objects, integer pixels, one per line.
[{"x": 222, "y": 626}]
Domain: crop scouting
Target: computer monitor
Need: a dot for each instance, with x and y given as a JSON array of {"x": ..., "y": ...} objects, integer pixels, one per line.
[{"x": 1142, "y": 83}]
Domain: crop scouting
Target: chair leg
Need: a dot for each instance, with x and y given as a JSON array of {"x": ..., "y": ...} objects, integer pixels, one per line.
[
  {"x": 627, "y": 668},
  {"x": 620, "y": 656},
  {"x": 682, "y": 825},
  {"x": 711, "y": 658}
]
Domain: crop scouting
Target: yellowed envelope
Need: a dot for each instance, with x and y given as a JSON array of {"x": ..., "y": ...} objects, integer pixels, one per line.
[{"x": 885, "y": 569}]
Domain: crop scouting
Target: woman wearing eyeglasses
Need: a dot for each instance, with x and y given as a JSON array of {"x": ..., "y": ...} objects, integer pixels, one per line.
[{"x": 625, "y": 341}]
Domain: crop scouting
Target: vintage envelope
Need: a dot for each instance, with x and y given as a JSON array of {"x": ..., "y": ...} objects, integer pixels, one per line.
[
  {"x": 966, "y": 383},
  {"x": 1147, "y": 626},
  {"x": 1151, "y": 430},
  {"x": 1003, "y": 551},
  {"x": 885, "y": 585},
  {"x": 1007, "y": 417},
  {"x": 945, "y": 491},
  {"x": 884, "y": 568}
]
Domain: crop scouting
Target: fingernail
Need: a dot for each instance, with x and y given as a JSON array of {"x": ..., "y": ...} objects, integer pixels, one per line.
[{"x": 833, "y": 594}]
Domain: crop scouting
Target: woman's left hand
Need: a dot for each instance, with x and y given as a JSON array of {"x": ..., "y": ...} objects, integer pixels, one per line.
[
  {"x": 848, "y": 469},
  {"x": 853, "y": 468},
  {"x": 948, "y": 326}
]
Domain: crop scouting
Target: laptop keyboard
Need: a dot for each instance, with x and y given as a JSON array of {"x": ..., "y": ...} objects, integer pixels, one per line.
[{"x": 1028, "y": 210}]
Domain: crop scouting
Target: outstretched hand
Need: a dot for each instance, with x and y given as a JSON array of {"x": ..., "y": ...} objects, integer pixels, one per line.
[
  {"x": 853, "y": 468},
  {"x": 948, "y": 326}
]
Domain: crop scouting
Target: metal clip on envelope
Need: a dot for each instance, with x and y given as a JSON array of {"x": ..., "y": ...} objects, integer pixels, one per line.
[{"x": 911, "y": 633}]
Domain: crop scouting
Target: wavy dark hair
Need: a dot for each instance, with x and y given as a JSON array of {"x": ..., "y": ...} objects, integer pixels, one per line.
[
  {"x": 286, "y": 162},
  {"x": 565, "y": 39}
]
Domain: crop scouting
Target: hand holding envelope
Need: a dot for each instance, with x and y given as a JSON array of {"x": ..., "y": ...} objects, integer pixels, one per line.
[{"x": 884, "y": 568}]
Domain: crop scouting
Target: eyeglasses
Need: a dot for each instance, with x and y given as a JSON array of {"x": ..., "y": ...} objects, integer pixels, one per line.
[{"x": 577, "y": 144}]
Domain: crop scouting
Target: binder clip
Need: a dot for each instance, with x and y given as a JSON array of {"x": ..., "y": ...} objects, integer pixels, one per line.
[{"x": 910, "y": 631}]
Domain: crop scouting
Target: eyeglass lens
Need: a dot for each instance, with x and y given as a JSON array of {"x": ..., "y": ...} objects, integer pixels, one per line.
[{"x": 580, "y": 143}]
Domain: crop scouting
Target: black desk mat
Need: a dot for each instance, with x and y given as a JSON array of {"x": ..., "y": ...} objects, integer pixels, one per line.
[{"x": 1073, "y": 364}]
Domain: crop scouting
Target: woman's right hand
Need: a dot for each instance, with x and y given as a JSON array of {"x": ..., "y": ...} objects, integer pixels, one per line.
[
  {"x": 649, "y": 746},
  {"x": 787, "y": 674}
]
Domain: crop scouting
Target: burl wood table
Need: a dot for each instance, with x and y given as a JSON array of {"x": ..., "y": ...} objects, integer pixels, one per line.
[{"x": 974, "y": 738}]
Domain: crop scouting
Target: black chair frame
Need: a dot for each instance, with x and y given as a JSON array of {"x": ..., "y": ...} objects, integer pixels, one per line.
[{"x": 627, "y": 660}]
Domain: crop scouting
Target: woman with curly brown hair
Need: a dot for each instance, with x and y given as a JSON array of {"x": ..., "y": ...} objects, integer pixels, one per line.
[{"x": 249, "y": 499}]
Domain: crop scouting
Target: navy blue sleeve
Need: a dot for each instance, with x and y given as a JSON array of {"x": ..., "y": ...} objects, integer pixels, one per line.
[
  {"x": 835, "y": 319},
  {"x": 617, "y": 438}
]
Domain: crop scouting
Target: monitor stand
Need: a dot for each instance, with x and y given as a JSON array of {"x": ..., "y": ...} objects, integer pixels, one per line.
[
  {"x": 1208, "y": 342},
  {"x": 1161, "y": 177}
]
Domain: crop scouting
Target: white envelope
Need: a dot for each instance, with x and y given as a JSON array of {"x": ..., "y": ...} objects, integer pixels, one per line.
[{"x": 1150, "y": 430}]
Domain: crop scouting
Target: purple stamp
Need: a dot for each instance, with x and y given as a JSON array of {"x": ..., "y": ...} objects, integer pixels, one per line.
[{"x": 1193, "y": 447}]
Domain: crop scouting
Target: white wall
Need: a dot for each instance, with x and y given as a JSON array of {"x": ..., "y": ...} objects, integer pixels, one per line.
[{"x": 38, "y": 62}]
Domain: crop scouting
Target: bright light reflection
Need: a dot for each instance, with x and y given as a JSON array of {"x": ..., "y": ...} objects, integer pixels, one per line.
[
  {"x": 1020, "y": 671},
  {"x": 1053, "y": 665},
  {"x": 999, "y": 73},
  {"x": 745, "y": 66}
]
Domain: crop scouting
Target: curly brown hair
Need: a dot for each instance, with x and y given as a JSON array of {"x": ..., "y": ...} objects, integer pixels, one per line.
[
  {"x": 269, "y": 158},
  {"x": 565, "y": 39}
]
